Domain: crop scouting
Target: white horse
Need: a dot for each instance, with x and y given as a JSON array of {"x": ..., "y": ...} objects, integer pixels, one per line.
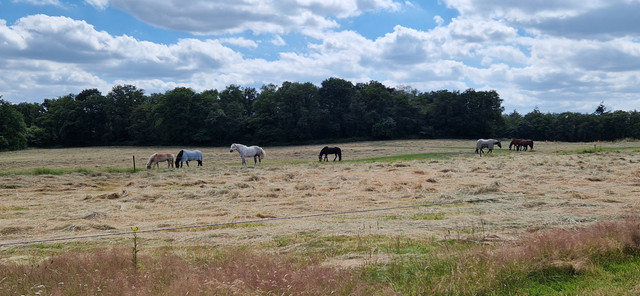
[
  {"x": 482, "y": 143},
  {"x": 255, "y": 151},
  {"x": 157, "y": 158}
]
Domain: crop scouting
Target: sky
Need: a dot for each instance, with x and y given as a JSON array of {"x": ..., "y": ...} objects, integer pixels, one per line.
[{"x": 547, "y": 55}]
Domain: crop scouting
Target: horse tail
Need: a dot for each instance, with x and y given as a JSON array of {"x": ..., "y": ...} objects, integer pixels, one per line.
[
  {"x": 339, "y": 154},
  {"x": 262, "y": 153}
]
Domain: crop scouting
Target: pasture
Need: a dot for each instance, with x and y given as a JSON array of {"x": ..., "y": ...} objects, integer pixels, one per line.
[{"x": 413, "y": 190}]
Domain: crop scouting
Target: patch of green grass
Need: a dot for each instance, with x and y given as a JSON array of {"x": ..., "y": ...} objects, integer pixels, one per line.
[
  {"x": 603, "y": 277},
  {"x": 50, "y": 171},
  {"x": 596, "y": 149},
  {"x": 13, "y": 208},
  {"x": 42, "y": 246},
  {"x": 590, "y": 150},
  {"x": 419, "y": 216},
  {"x": 225, "y": 226},
  {"x": 408, "y": 157},
  {"x": 121, "y": 170},
  {"x": 428, "y": 216},
  {"x": 433, "y": 273}
]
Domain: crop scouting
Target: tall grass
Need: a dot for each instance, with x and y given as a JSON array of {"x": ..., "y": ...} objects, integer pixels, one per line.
[
  {"x": 602, "y": 259},
  {"x": 237, "y": 272}
]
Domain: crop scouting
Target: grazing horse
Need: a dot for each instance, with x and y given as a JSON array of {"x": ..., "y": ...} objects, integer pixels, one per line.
[
  {"x": 186, "y": 155},
  {"x": 482, "y": 143},
  {"x": 254, "y": 151},
  {"x": 330, "y": 150},
  {"x": 521, "y": 143},
  {"x": 157, "y": 158}
]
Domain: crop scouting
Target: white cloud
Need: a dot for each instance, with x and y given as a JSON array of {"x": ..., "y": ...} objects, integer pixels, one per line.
[
  {"x": 534, "y": 54},
  {"x": 260, "y": 16},
  {"x": 62, "y": 53},
  {"x": 98, "y": 4},
  {"x": 278, "y": 41},
  {"x": 439, "y": 20},
  {"x": 41, "y": 2},
  {"x": 242, "y": 42}
]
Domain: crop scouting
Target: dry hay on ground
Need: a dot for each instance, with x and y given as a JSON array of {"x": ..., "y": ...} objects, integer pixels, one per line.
[{"x": 525, "y": 192}]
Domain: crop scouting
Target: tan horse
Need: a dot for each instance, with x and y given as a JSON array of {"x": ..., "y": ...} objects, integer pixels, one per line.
[{"x": 156, "y": 158}]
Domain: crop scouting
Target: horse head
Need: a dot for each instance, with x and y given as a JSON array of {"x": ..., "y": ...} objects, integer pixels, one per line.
[
  {"x": 498, "y": 143},
  {"x": 150, "y": 160},
  {"x": 233, "y": 147},
  {"x": 178, "y": 158}
]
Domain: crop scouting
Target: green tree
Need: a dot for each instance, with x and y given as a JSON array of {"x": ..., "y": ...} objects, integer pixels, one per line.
[
  {"x": 174, "y": 111},
  {"x": 406, "y": 113},
  {"x": 335, "y": 100},
  {"x": 295, "y": 103},
  {"x": 540, "y": 126},
  {"x": 264, "y": 122},
  {"x": 32, "y": 114},
  {"x": 236, "y": 105},
  {"x": 64, "y": 121},
  {"x": 615, "y": 125},
  {"x": 143, "y": 124},
  {"x": 122, "y": 101},
  {"x": 13, "y": 130}
]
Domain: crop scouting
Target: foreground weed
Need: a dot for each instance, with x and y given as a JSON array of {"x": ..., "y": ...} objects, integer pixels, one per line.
[
  {"x": 135, "y": 250},
  {"x": 234, "y": 271}
]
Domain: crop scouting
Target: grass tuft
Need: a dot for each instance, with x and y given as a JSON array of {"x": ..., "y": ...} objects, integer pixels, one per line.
[{"x": 237, "y": 272}]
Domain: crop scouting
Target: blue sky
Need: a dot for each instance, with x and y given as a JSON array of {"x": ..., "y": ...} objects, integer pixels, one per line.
[{"x": 555, "y": 56}]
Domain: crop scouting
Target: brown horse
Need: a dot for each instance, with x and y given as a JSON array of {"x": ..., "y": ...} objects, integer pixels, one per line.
[
  {"x": 156, "y": 158},
  {"x": 521, "y": 144}
]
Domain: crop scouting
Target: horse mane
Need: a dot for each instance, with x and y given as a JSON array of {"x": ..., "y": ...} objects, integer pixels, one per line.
[{"x": 151, "y": 158}]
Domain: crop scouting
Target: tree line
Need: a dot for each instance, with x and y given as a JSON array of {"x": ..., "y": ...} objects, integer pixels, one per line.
[{"x": 291, "y": 113}]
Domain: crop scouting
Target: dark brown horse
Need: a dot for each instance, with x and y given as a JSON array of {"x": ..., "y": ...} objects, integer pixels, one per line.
[
  {"x": 330, "y": 150},
  {"x": 521, "y": 144}
]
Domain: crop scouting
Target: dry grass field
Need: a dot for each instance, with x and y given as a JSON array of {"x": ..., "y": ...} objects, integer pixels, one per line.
[{"x": 420, "y": 186}]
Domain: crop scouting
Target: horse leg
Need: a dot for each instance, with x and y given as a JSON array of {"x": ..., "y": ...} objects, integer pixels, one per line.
[
  {"x": 255, "y": 160},
  {"x": 336, "y": 157},
  {"x": 244, "y": 162}
]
